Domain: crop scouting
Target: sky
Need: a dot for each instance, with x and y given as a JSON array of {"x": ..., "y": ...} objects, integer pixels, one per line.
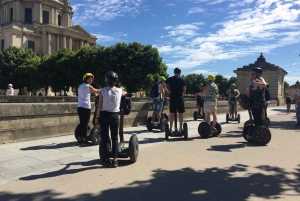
[{"x": 200, "y": 36}]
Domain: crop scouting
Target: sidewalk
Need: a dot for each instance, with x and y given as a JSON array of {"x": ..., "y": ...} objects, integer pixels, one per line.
[{"x": 55, "y": 166}]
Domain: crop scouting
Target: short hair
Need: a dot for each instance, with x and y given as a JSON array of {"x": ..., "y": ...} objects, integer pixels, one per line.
[{"x": 10, "y": 85}]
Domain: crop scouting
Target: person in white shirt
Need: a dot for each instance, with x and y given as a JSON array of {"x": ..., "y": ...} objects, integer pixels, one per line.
[
  {"x": 84, "y": 106},
  {"x": 10, "y": 90},
  {"x": 108, "y": 115}
]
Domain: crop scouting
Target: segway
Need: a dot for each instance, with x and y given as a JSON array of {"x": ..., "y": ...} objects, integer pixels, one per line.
[
  {"x": 260, "y": 135},
  {"x": 196, "y": 114},
  {"x": 92, "y": 135},
  {"x": 205, "y": 129},
  {"x": 131, "y": 151},
  {"x": 228, "y": 118},
  {"x": 176, "y": 132},
  {"x": 163, "y": 120}
]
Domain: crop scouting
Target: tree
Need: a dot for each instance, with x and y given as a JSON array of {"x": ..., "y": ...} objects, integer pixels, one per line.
[
  {"x": 286, "y": 85},
  {"x": 192, "y": 81},
  {"x": 222, "y": 84}
]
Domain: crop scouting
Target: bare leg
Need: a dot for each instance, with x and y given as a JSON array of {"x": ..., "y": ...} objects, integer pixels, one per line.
[
  {"x": 153, "y": 116},
  {"x": 180, "y": 120},
  {"x": 171, "y": 121},
  {"x": 158, "y": 117},
  {"x": 207, "y": 117},
  {"x": 214, "y": 119}
]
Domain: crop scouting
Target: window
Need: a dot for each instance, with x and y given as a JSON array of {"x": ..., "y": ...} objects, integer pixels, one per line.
[
  {"x": 28, "y": 15},
  {"x": 31, "y": 45},
  {"x": 45, "y": 17},
  {"x": 2, "y": 45},
  {"x": 59, "y": 20},
  {"x": 11, "y": 14}
]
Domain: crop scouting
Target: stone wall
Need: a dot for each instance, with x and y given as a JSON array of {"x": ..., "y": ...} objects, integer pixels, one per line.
[{"x": 32, "y": 120}]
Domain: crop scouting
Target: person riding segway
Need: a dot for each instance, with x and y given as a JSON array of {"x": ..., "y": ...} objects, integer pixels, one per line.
[
  {"x": 257, "y": 132},
  {"x": 83, "y": 132},
  {"x": 200, "y": 114},
  {"x": 178, "y": 88},
  {"x": 108, "y": 118},
  {"x": 158, "y": 119},
  {"x": 233, "y": 95},
  {"x": 211, "y": 91}
]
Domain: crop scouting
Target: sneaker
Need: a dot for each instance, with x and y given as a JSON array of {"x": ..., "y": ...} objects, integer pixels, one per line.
[
  {"x": 213, "y": 129},
  {"x": 78, "y": 143},
  {"x": 84, "y": 144},
  {"x": 114, "y": 164},
  {"x": 108, "y": 162}
]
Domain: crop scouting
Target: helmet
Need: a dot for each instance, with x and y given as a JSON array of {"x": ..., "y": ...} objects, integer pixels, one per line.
[
  {"x": 87, "y": 75},
  {"x": 177, "y": 71},
  {"x": 200, "y": 85},
  {"x": 111, "y": 78},
  {"x": 211, "y": 77},
  {"x": 161, "y": 78},
  {"x": 257, "y": 70},
  {"x": 233, "y": 85}
]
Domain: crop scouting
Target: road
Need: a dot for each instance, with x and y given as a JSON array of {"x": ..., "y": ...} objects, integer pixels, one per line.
[{"x": 220, "y": 168}]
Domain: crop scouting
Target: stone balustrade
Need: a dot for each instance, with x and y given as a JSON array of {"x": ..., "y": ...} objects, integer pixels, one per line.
[{"x": 26, "y": 118}]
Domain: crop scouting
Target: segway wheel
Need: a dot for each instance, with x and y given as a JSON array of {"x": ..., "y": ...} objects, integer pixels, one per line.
[
  {"x": 149, "y": 126},
  {"x": 76, "y": 133},
  {"x": 218, "y": 127},
  {"x": 166, "y": 117},
  {"x": 248, "y": 122},
  {"x": 246, "y": 133},
  {"x": 95, "y": 135},
  {"x": 261, "y": 135},
  {"x": 133, "y": 150},
  {"x": 185, "y": 131},
  {"x": 239, "y": 118},
  {"x": 167, "y": 131},
  {"x": 204, "y": 129},
  {"x": 195, "y": 115},
  {"x": 268, "y": 120},
  {"x": 162, "y": 125},
  {"x": 227, "y": 117}
]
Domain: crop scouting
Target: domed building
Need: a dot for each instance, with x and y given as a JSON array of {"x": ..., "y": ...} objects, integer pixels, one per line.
[{"x": 45, "y": 26}]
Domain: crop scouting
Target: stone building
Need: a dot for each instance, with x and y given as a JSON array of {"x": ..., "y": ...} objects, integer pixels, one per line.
[
  {"x": 45, "y": 26},
  {"x": 273, "y": 75},
  {"x": 293, "y": 90}
]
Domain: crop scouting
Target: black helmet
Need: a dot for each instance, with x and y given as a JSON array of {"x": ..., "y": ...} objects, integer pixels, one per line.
[
  {"x": 177, "y": 71},
  {"x": 257, "y": 70},
  {"x": 111, "y": 78}
]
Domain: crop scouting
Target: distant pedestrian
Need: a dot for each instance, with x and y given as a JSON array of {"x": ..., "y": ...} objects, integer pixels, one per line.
[
  {"x": 288, "y": 103},
  {"x": 10, "y": 90}
]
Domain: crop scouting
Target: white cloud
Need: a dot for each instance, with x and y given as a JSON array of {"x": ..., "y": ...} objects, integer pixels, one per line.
[
  {"x": 267, "y": 25},
  {"x": 109, "y": 38},
  {"x": 195, "y": 10},
  {"x": 91, "y": 12}
]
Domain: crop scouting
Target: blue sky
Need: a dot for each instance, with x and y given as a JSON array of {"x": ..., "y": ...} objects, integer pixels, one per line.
[{"x": 200, "y": 36}]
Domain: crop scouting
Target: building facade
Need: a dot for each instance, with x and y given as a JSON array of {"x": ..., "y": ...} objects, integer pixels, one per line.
[
  {"x": 273, "y": 75},
  {"x": 45, "y": 26}
]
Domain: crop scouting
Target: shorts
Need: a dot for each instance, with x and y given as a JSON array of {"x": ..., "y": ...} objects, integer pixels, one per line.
[
  {"x": 177, "y": 105},
  {"x": 157, "y": 105},
  {"x": 232, "y": 107},
  {"x": 210, "y": 106}
]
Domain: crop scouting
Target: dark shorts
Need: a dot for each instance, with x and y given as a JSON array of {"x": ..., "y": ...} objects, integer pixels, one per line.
[{"x": 177, "y": 105}]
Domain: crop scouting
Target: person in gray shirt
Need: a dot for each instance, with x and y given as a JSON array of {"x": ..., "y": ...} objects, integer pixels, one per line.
[{"x": 232, "y": 100}]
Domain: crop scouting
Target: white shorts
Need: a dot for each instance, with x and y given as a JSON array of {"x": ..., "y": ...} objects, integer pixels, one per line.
[{"x": 210, "y": 107}]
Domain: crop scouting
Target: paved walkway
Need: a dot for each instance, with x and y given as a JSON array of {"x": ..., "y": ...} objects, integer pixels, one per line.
[{"x": 220, "y": 168}]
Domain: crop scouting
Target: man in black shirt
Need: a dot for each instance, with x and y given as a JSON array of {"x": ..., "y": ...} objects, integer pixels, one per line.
[
  {"x": 199, "y": 99},
  {"x": 178, "y": 88}
]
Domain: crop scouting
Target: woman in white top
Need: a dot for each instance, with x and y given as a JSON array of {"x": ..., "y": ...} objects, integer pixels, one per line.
[
  {"x": 108, "y": 115},
  {"x": 10, "y": 90},
  {"x": 84, "y": 106}
]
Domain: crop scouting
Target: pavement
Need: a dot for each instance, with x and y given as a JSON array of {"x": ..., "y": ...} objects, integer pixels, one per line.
[{"x": 220, "y": 168}]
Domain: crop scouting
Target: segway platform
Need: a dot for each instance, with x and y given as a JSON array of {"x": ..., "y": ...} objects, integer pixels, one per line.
[
  {"x": 163, "y": 120},
  {"x": 176, "y": 132},
  {"x": 205, "y": 129},
  {"x": 92, "y": 135},
  {"x": 238, "y": 119},
  {"x": 197, "y": 116}
]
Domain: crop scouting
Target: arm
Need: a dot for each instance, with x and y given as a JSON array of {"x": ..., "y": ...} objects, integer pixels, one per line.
[
  {"x": 204, "y": 90},
  {"x": 184, "y": 89},
  {"x": 261, "y": 83},
  {"x": 124, "y": 93},
  {"x": 92, "y": 89},
  {"x": 163, "y": 93},
  {"x": 297, "y": 100},
  {"x": 100, "y": 104},
  {"x": 238, "y": 94}
]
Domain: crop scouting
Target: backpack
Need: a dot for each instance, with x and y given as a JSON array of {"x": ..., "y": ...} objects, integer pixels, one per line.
[
  {"x": 232, "y": 99},
  {"x": 125, "y": 104},
  {"x": 267, "y": 94},
  {"x": 154, "y": 91},
  {"x": 215, "y": 94},
  {"x": 244, "y": 101}
]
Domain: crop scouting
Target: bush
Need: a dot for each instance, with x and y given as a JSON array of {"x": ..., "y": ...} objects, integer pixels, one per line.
[{"x": 23, "y": 91}]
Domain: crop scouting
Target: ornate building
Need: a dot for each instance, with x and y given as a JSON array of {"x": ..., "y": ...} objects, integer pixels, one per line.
[
  {"x": 273, "y": 75},
  {"x": 293, "y": 90},
  {"x": 44, "y": 26}
]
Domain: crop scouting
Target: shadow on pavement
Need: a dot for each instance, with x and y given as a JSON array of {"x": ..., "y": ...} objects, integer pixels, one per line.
[
  {"x": 50, "y": 146},
  {"x": 284, "y": 125},
  {"x": 214, "y": 184}
]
